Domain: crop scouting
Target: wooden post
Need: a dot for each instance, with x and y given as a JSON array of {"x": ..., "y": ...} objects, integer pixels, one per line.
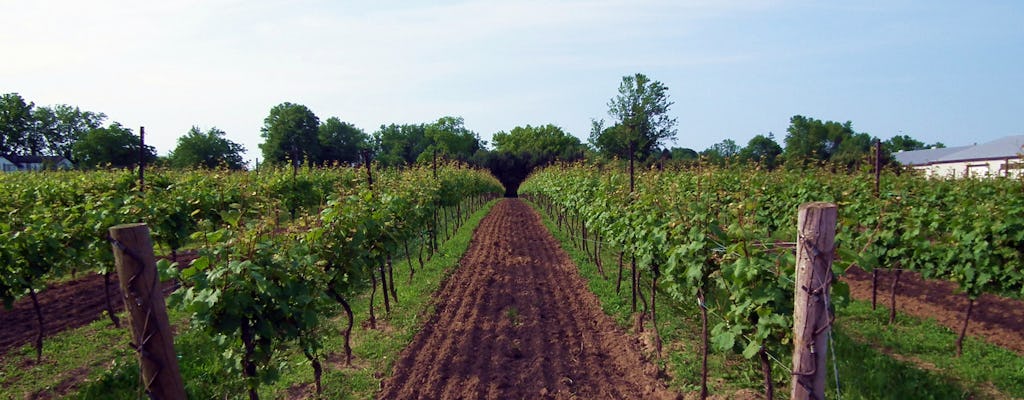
[
  {"x": 878, "y": 166},
  {"x": 816, "y": 224},
  {"x": 144, "y": 300},
  {"x": 142, "y": 159}
]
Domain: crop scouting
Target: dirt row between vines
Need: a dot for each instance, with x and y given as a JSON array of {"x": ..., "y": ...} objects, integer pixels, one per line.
[
  {"x": 997, "y": 320},
  {"x": 66, "y": 305},
  {"x": 517, "y": 321}
]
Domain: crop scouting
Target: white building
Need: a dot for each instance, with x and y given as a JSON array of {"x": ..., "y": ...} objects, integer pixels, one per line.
[
  {"x": 33, "y": 163},
  {"x": 1001, "y": 157},
  {"x": 7, "y": 166}
]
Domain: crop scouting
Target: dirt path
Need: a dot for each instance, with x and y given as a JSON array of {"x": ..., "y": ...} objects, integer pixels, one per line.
[
  {"x": 517, "y": 321},
  {"x": 998, "y": 320},
  {"x": 66, "y": 305}
]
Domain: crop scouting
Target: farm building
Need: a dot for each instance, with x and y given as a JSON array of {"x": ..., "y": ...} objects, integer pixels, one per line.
[
  {"x": 1001, "y": 157},
  {"x": 33, "y": 163},
  {"x": 6, "y": 165}
]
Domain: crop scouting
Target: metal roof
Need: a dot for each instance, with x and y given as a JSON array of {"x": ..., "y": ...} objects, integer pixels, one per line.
[
  {"x": 926, "y": 156},
  {"x": 1007, "y": 147}
]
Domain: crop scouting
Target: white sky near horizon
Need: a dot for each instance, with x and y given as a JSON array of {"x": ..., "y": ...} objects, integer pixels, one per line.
[{"x": 947, "y": 71}]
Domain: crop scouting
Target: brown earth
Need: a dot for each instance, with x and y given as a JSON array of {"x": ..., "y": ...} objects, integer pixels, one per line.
[
  {"x": 997, "y": 320},
  {"x": 517, "y": 321},
  {"x": 65, "y": 305}
]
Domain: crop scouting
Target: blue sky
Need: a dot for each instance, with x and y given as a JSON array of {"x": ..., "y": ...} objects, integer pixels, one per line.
[{"x": 936, "y": 70}]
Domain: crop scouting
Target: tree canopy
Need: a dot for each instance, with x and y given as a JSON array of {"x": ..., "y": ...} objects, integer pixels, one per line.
[
  {"x": 60, "y": 126},
  {"x": 114, "y": 146},
  {"x": 545, "y": 142},
  {"x": 15, "y": 125},
  {"x": 641, "y": 120},
  {"x": 341, "y": 142},
  {"x": 290, "y": 133},
  {"x": 762, "y": 149},
  {"x": 208, "y": 149},
  {"x": 450, "y": 138},
  {"x": 400, "y": 144}
]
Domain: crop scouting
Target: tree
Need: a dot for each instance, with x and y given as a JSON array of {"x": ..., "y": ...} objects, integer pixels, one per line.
[
  {"x": 400, "y": 144},
  {"x": 450, "y": 138},
  {"x": 543, "y": 143},
  {"x": 16, "y": 125},
  {"x": 114, "y": 145},
  {"x": 763, "y": 150},
  {"x": 900, "y": 143},
  {"x": 720, "y": 153},
  {"x": 290, "y": 133},
  {"x": 208, "y": 149},
  {"x": 642, "y": 122},
  {"x": 683, "y": 154},
  {"x": 62, "y": 125},
  {"x": 853, "y": 150},
  {"x": 341, "y": 142}
]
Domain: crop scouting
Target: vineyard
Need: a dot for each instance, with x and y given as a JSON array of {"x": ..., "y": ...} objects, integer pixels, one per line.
[
  {"x": 720, "y": 243},
  {"x": 279, "y": 251},
  {"x": 279, "y": 278}
]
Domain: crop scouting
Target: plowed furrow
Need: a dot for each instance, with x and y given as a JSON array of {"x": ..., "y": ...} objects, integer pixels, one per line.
[{"x": 516, "y": 321}]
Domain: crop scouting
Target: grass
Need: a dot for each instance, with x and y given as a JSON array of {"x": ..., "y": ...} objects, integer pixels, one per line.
[
  {"x": 101, "y": 352},
  {"x": 911, "y": 359}
]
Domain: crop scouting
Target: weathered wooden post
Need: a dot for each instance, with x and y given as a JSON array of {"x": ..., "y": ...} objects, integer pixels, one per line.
[
  {"x": 816, "y": 224},
  {"x": 144, "y": 300}
]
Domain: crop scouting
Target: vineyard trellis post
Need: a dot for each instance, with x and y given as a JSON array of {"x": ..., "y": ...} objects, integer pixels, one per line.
[
  {"x": 144, "y": 301},
  {"x": 812, "y": 318},
  {"x": 142, "y": 159}
]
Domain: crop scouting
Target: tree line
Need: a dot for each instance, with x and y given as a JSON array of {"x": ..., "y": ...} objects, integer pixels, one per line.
[{"x": 641, "y": 129}]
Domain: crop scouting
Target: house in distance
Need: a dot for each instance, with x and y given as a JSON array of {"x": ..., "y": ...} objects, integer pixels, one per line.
[{"x": 1000, "y": 157}]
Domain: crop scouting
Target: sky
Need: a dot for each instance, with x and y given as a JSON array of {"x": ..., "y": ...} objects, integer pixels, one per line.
[{"x": 939, "y": 71}]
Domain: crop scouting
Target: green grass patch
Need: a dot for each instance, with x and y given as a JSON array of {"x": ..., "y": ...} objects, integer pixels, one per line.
[
  {"x": 374, "y": 350},
  {"x": 912, "y": 359},
  {"x": 102, "y": 354}
]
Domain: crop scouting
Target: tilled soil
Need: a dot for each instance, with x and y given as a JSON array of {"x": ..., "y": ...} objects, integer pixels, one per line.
[
  {"x": 517, "y": 321},
  {"x": 66, "y": 305},
  {"x": 998, "y": 320}
]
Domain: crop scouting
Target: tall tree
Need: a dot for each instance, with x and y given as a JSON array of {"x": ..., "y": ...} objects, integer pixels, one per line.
[
  {"x": 900, "y": 143},
  {"x": 720, "y": 153},
  {"x": 641, "y": 117},
  {"x": 542, "y": 143},
  {"x": 683, "y": 154},
  {"x": 762, "y": 149},
  {"x": 62, "y": 125},
  {"x": 15, "y": 125},
  {"x": 400, "y": 144},
  {"x": 341, "y": 142},
  {"x": 208, "y": 149},
  {"x": 450, "y": 138},
  {"x": 290, "y": 133},
  {"x": 114, "y": 146},
  {"x": 810, "y": 140}
]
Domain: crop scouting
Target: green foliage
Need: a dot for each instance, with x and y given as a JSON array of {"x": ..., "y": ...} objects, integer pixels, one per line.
[
  {"x": 450, "y": 139},
  {"x": 722, "y": 152},
  {"x": 61, "y": 126},
  {"x": 208, "y": 149},
  {"x": 763, "y": 150},
  {"x": 341, "y": 142},
  {"x": 400, "y": 144},
  {"x": 545, "y": 142},
  {"x": 290, "y": 133},
  {"x": 16, "y": 133},
  {"x": 719, "y": 232},
  {"x": 114, "y": 146},
  {"x": 641, "y": 119}
]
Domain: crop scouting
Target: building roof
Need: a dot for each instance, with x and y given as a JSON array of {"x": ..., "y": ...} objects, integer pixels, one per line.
[
  {"x": 999, "y": 149},
  {"x": 926, "y": 156},
  {"x": 33, "y": 159}
]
